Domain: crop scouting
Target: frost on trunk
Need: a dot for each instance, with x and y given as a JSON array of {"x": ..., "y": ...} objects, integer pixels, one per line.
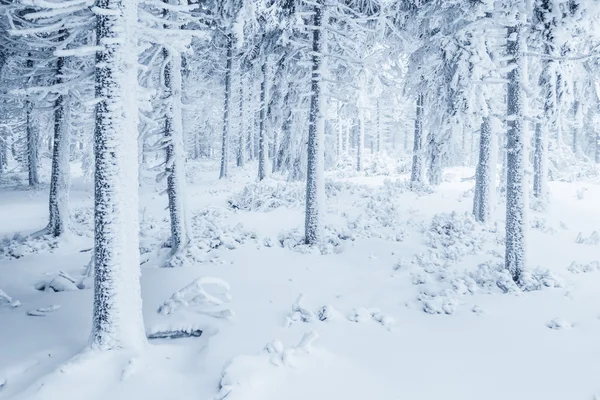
[
  {"x": 175, "y": 151},
  {"x": 418, "y": 165},
  {"x": 435, "y": 170},
  {"x": 262, "y": 140},
  {"x": 515, "y": 157},
  {"x": 340, "y": 131},
  {"x": 484, "y": 175},
  {"x": 59, "y": 179},
  {"x": 315, "y": 184},
  {"x": 3, "y": 154},
  {"x": 32, "y": 140},
  {"x": 540, "y": 160},
  {"x": 226, "y": 109},
  {"x": 360, "y": 142},
  {"x": 378, "y": 128},
  {"x": 577, "y": 124},
  {"x": 117, "y": 311},
  {"x": 241, "y": 150}
]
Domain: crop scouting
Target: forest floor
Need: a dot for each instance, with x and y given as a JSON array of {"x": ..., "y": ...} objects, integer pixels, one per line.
[{"x": 407, "y": 297}]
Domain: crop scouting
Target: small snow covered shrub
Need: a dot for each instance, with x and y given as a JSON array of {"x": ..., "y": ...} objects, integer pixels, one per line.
[
  {"x": 19, "y": 246},
  {"x": 578, "y": 268},
  {"x": 268, "y": 196},
  {"x": 455, "y": 235},
  {"x": 593, "y": 239},
  {"x": 57, "y": 282},
  {"x": 331, "y": 242}
]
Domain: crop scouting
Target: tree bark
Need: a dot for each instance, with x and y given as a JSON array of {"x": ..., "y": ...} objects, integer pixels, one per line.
[
  {"x": 417, "y": 172},
  {"x": 117, "y": 311},
  {"x": 59, "y": 180},
  {"x": 484, "y": 176},
  {"x": 515, "y": 158},
  {"x": 262, "y": 140},
  {"x": 315, "y": 185},
  {"x": 226, "y": 109}
]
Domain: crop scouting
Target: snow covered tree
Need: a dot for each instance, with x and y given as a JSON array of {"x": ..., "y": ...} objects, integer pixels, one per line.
[{"x": 117, "y": 311}]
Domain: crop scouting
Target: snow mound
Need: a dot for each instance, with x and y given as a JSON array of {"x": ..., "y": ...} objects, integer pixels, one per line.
[
  {"x": 297, "y": 373},
  {"x": 6, "y": 300},
  {"x": 57, "y": 282},
  {"x": 559, "y": 324},
  {"x": 196, "y": 297}
]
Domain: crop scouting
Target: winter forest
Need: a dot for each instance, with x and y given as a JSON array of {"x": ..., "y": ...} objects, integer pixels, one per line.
[{"x": 300, "y": 199}]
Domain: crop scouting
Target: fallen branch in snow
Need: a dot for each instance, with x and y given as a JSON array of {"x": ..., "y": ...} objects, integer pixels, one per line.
[
  {"x": 43, "y": 311},
  {"x": 175, "y": 334},
  {"x": 7, "y": 300}
]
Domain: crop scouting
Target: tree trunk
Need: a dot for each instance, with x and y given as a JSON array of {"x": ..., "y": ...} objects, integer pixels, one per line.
[
  {"x": 315, "y": 184},
  {"x": 435, "y": 170},
  {"x": 540, "y": 155},
  {"x": 32, "y": 140},
  {"x": 484, "y": 176},
  {"x": 378, "y": 128},
  {"x": 515, "y": 158},
  {"x": 175, "y": 152},
  {"x": 241, "y": 151},
  {"x": 262, "y": 140},
  {"x": 117, "y": 311},
  {"x": 226, "y": 110},
  {"x": 59, "y": 180},
  {"x": 417, "y": 173},
  {"x": 360, "y": 142}
]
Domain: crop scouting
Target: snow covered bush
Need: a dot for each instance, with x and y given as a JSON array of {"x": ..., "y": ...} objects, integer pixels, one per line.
[
  {"x": 331, "y": 243},
  {"x": 19, "y": 246},
  {"x": 455, "y": 235}
]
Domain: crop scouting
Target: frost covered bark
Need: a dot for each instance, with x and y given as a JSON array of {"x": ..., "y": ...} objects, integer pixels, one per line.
[
  {"x": 360, "y": 140},
  {"x": 241, "y": 150},
  {"x": 484, "y": 176},
  {"x": 59, "y": 180},
  {"x": 417, "y": 173},
  {"x": 515, "y": 157},
  {"x": 226, "y": 108},
  {"x": 175, "y": 151},
  {"x": 262, "y": 140},
  {"x": 117, "y": 311},
  {"x": 32, "y": 140},
  {"x": 315, "y": 184}
]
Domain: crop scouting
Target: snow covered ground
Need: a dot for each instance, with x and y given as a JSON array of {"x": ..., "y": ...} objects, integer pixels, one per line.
[{"x": 406, "y": 300}]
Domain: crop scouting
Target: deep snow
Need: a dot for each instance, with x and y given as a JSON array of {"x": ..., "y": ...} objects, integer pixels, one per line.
[{"x": 398, "y": 299}]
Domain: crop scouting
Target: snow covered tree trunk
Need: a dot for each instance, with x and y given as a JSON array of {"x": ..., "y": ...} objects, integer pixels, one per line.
[
  {"x": 262, "y": 140},
  {"x": 540, "y": 155},
  {"x": 484, "y": 176},
  {"x": 417, "y": 173},
  {"x": 378, "y": 128},
  {"x": 577, "y": 124},
  {"x": 32, "y": 140},
  {"x": 117, "y": 311},
  {"x": 241, "y": 151},
  {"x": 340, "y": 131},
  {"x": 597, "y": 155},
  {"x": 315, "y": 184},
  {"x": 435, "y": 170},
  {"x": 515, "y": 158},
  {"x": 3, "y": 154},
  {"x": 175, "y": 151},
  {"x": 226, "y": 109},
  {"x": 360, "y": 140},
  {"x": 59, "y": 180}
]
